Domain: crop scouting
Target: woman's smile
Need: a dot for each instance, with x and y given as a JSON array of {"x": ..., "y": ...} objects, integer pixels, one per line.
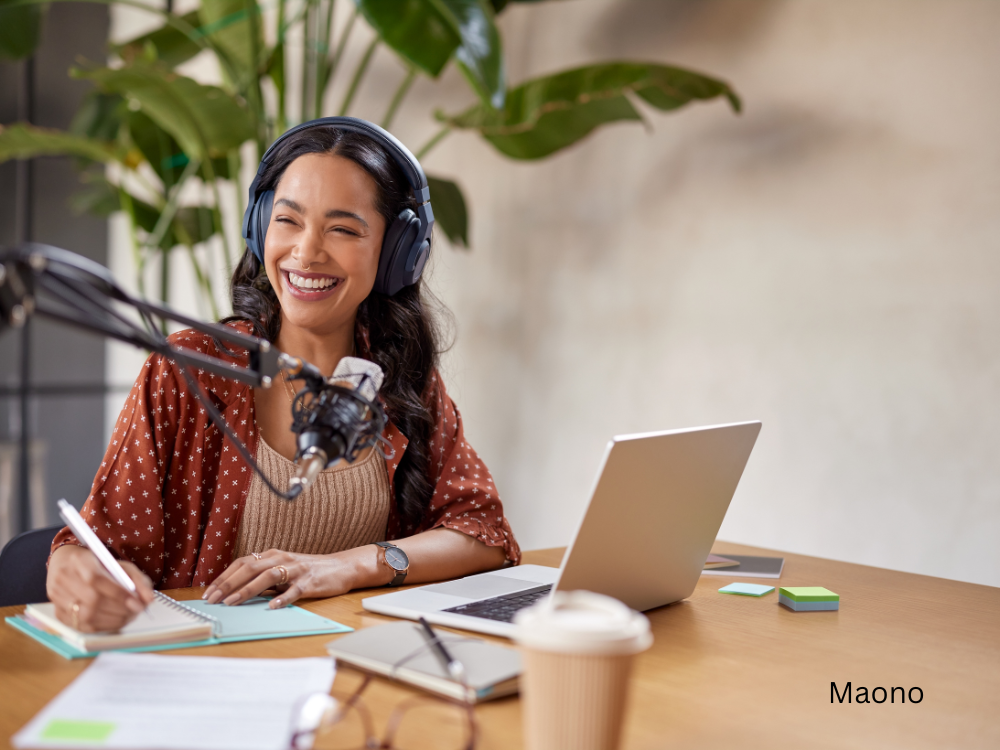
[{"x": 310, "y": 287}]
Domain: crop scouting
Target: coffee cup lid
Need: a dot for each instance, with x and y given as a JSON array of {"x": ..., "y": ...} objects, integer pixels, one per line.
[{"x": 581, "y": 622}]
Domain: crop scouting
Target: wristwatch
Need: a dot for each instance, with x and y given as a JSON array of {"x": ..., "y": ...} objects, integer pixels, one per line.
[{"x": 397, "y": 560}]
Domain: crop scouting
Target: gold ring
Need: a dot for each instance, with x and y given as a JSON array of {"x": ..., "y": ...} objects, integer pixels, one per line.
[
  {"x": 284, "y": 574},
  {"x": 76, "y": 615},
  {"x": 257, "y": 555}
]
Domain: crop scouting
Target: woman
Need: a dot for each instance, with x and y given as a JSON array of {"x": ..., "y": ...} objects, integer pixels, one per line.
[{"x": 179, "y": 507}]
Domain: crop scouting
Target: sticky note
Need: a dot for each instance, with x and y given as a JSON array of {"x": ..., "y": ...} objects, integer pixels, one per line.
[
  {"x": 809, "y": 594},
  {"x": 746, "y": 589},
  {"x": 829, "y": 606},
  {"x": 77, "y": 730}
]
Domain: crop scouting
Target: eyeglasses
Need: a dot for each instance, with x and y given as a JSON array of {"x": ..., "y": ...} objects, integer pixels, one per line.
[{"x": 345, "y": 723}]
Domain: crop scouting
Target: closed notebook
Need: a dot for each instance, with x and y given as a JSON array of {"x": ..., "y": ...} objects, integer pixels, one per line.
[
  {"x": 750, "y": 566},
  {"x": 401, "y": 651},
  {"x": 717, "y": 561},
  {"x": 167, "y": 624}
]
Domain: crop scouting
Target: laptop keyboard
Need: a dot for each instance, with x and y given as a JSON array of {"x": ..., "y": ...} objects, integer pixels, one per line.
[{"x": 502, "y": 608}]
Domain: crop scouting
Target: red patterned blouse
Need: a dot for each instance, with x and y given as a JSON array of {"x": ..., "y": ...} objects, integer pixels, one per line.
[{"x": 171, "y": 488}]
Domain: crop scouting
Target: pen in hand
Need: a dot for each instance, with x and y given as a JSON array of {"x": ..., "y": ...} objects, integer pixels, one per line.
[
  {"x": 453, "y": 666},
  {"x": 89, "y": 539}
]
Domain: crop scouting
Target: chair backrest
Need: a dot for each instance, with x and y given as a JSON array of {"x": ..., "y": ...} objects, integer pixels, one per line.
[{"x": 22, "y": 567}]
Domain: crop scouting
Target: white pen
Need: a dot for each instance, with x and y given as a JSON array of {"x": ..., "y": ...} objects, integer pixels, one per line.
[{"x": 82, "y": 532}]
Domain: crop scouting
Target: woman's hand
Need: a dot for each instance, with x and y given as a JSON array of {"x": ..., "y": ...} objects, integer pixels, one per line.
[
  {"x": 306, "y": 577},
  {"x": 87, "y": 598},
  {"x": 434, "y": 555}
]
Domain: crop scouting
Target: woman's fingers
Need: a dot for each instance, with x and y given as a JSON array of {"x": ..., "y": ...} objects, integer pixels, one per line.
[
  {"x": 268, "y": 579},
  {"x": 112, "y": 598},
  {"x": 289, "y": 596},
  {"x": 87, "y": 598},
  {"x": 242, "y": 570},
  {"x": 236, "y": 575},
  {"x": 90, "y": 614},
  {"x": 143, "y": 586}
]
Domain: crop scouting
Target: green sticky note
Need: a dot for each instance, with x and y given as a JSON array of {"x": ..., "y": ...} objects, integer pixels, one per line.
[
  {"x": 809, "y": 594},
  {"x": 77, "y": 730}
]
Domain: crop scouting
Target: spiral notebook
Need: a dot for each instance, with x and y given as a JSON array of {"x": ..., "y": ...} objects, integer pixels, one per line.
[{"x": 168, "y": 623}]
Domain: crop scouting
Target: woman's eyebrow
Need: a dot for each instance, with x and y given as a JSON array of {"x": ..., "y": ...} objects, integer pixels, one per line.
[
  {"x": 290, "y": 203},
  {"x": 336, "y": 213},
  {"x": 333, "y": 213}
]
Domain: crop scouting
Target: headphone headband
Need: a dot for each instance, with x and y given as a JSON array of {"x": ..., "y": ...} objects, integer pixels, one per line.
[{"x": 400, "y": 153}]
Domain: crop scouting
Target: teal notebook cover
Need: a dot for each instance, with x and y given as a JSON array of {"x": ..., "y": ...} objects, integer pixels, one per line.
[{"x": 250, "y": 621}]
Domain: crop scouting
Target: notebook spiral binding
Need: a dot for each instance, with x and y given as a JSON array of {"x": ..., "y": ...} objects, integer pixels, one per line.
[{"x": 216, "y": 625}]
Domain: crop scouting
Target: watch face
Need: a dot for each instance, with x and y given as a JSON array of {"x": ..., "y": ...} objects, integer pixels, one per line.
[{"x": 396, "y": 558}]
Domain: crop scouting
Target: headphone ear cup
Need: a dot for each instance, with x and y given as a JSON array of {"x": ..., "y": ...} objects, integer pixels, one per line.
[
  {"x": 263, "y": 208},
  {"x": 258, "y": 219},
  {"x": 399, "y": 237},
  {"x": 419, "y": 255}
]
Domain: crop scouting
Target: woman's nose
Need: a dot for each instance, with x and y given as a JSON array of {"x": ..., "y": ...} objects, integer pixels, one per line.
[{"x": 309, "y": 249}]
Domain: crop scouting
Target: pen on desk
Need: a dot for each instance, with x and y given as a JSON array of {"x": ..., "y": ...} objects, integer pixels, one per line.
[
  {"x": 453, "y": 666},
  {"x": 89, "y": 539}
]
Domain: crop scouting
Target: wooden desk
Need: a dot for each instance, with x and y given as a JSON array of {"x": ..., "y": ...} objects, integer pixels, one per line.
[{"x": 724, "y": 672}]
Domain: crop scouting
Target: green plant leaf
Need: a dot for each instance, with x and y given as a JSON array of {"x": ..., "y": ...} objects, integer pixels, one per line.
[
  {"x": 97, "y": 197},
  {"x": 191, "y": 224},
  {"x": 417, "y": 30},
  {"x": 450, "y": 212},
  {"x": 670, "y": 88},
  {"x": 234, "y": 27},
  {"x": 159, "y": 148},
  {"x": 172, "y": 46},
  {"x": 552, "y": 112},
  {"x": 20, "y": 30},
  {"x": 499, "y": 5},
  {"x": 427, "y": 33},
  {"x": 480, "y": 54},
  {"x": 100, "y": 116},
  {"x": 275, "y": 68},
  {"x": 23, "y": 141},
  {"x": 162, "y": 151},
  {"x": 205, "y": 120}
]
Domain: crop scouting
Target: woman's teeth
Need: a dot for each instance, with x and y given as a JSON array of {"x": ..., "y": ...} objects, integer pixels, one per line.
[{"x": 302, "y": 282}]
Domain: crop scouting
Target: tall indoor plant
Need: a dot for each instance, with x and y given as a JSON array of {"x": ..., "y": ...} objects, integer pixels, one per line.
[{"x": 147, "y": 132}]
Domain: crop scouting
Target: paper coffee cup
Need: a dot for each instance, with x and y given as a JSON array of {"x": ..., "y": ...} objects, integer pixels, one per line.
[{"x": 577, "y": 653}]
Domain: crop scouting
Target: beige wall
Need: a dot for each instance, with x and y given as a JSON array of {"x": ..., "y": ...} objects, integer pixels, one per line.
[{"x": 828, "y": 262}]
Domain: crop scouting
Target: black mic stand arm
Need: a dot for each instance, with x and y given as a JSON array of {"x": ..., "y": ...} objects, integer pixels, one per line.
[{"x": 42, "y": 280}]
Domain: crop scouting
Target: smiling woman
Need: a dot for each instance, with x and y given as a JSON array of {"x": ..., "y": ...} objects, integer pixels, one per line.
[{"x": 180, "y": 507}]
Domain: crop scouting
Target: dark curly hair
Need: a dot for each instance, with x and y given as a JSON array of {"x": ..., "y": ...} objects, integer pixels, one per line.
[{"x": 403, "y": 331}]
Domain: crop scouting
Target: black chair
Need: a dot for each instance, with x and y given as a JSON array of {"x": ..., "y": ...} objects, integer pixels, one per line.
[{"x": 22, "y": 567}]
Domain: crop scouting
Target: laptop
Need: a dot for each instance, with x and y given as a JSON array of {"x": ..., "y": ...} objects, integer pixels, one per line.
[{"x": 655, "y": 509}]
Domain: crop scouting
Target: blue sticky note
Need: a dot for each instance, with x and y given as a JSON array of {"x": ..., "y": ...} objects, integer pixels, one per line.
[{"x": 746, "y": 589}]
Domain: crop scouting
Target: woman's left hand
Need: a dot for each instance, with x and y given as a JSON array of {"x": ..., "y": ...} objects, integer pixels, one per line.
[{"x": 306, "y": 576}]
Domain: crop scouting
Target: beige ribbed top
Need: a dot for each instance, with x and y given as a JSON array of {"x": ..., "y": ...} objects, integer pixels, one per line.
[{"x": 346, "y": 507}]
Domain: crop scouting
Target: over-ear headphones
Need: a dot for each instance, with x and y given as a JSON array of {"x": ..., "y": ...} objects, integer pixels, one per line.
[{"x": 407, "y": 241}]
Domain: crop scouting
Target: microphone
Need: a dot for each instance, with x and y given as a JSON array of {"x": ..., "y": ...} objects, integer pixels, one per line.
[{"x": 333, "y": 418}]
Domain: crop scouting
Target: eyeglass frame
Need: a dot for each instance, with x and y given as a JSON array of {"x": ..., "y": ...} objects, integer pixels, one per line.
[{"x": 354, "y": 701}]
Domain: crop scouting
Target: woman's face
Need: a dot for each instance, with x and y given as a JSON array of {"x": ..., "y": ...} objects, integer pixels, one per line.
[{"x": 322, "y": 246}]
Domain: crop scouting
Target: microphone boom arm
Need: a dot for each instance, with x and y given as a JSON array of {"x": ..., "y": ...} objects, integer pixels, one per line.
[{"x": 38, "y": 279}]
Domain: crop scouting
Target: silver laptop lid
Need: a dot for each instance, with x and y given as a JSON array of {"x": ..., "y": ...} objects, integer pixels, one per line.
[{"x": 655, "y": 511}]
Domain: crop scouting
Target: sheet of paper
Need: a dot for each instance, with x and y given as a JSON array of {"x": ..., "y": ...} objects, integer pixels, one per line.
[{"x": 180, "y": 702}]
